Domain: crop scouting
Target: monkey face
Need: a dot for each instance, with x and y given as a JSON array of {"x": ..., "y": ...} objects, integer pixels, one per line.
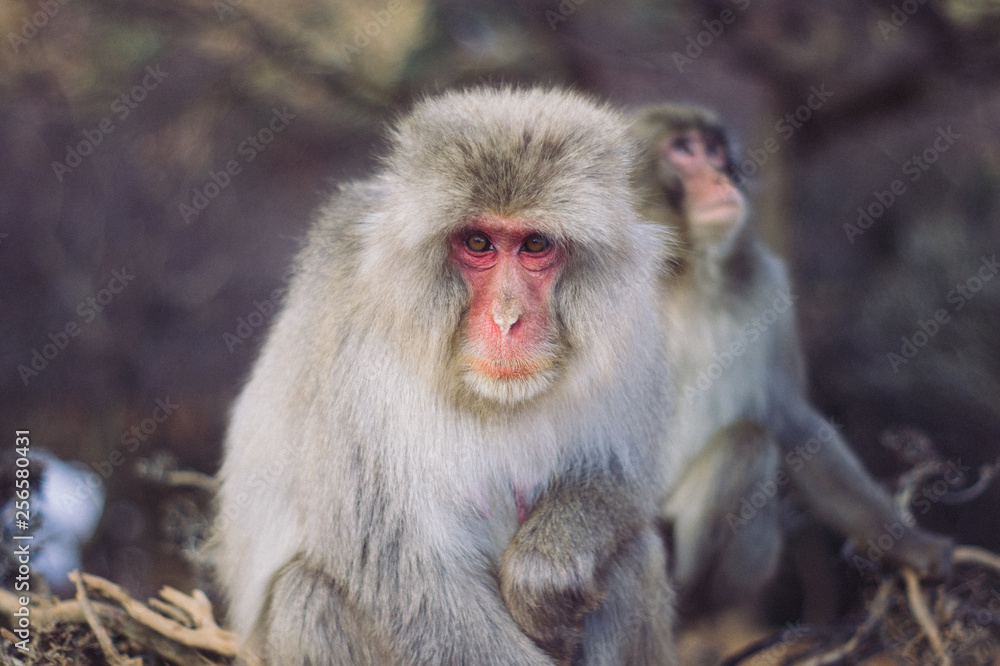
[
  {"x": 509, "y": 350},
  {"x": 699, "y": 185}
]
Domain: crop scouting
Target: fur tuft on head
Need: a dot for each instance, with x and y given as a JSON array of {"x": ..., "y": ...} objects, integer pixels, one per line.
[{"x": 557, "y": 160}]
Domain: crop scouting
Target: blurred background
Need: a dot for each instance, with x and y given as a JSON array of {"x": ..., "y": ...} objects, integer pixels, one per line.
[{"x": 159, "y": 163}]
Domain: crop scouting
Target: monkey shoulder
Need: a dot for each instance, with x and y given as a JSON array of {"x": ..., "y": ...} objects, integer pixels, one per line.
[
  {"x": 733, "y": 343},
  {"x": 345, "y": 211},
  {"x": 327, "y": 266}
]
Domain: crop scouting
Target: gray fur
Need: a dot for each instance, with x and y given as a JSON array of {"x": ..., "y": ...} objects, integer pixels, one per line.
[
  {"x": 368, "y": 509},
  {"x": 742, "y": 414}
]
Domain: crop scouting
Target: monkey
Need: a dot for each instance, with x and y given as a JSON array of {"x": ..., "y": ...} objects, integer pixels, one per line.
[
  {"x": 448, "y": 449},
  {"x": 743, "y": 429}
]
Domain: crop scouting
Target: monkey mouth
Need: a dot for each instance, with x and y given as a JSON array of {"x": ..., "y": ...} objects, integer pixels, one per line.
[
  {"x": 723, "y": 204},
  {"x": 508, "y": 370},
  {"x": 725, "y": 214}
]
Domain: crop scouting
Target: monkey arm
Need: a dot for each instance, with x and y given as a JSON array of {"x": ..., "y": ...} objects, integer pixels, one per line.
[
  {"x": 425, "y": 609},
  {"x": 555, "y": 570},
  {"x": 839, "y": 492}
]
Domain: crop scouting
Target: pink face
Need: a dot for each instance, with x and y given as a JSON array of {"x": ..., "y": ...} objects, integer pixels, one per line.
[
  {"x": 510, "y": 268},
  {"x": 712, "y": 203}
]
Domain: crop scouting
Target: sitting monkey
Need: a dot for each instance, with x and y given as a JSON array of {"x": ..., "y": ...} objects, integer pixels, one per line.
[{"x": 743, "y": 421}]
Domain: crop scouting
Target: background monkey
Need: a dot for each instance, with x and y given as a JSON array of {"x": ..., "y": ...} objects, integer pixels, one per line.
[
  {"x": 743, "y": 426},
  {"x": 464, "y": 390}
]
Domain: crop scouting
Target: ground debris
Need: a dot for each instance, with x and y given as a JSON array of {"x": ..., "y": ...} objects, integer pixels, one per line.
[
  {"x": 955, "y": 622},
  {"x": 104, "y": 624},
  {"x": 906, "y": 621}
]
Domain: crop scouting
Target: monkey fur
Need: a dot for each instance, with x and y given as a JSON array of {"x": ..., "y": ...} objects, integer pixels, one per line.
[
  {"x": 383, "y": 501},
  {"x": 743, "y": 421}
]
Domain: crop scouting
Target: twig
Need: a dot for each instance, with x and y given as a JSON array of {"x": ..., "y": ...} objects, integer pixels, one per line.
[
  {"x": 103, "y": 639},
  {"x": 5, "y": 658},
  {"x": 208, "y": 636},
  {"x": 197, "y": 606},
  {"x": 191, "y": 479},
  {"x": 171, "y": 611},
  {"x": 922, "y": 614},
  {"x": 977, "y": 555},
  {"x": 763, "y": 645},
  {"x": 910, "y": 483},
  {"x": 876, "y": 612},
  {"x": 986, "y": 475},
  {"x": 47, "y": 615},
  {"x": 159, "y": 469}
]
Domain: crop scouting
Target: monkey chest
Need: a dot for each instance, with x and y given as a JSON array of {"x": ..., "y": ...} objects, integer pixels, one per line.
[{"x": 722, "y": 364}]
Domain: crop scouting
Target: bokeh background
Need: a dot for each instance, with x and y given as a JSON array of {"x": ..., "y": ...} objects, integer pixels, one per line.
[{"x": 159, "y": 163}]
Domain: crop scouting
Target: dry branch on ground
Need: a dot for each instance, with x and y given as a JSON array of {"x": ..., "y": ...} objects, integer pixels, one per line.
[{"x": 105, "y": 624}]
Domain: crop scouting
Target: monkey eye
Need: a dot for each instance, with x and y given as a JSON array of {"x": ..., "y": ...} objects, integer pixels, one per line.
[
  {"x": 715, "y": 152},
  {"x": 478, "y": 242},
  {"x": 536, "y": 243},
  {"x": 682, "y": 144}
]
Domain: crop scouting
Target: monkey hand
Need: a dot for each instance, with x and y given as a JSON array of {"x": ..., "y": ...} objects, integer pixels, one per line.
[
  {"x": 548, "y": 587},
  {"x": 929, "y": 554}
]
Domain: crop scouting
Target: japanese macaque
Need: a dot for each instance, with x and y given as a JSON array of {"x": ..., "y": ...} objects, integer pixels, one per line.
[
  {"x": 447, "y": 452},
  {"x": 744, "y": 431}
]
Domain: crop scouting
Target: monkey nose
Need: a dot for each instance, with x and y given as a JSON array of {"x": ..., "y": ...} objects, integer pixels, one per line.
[
  {"x": 504, "y": 322},
  {"x": 505, "y": 315}
]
